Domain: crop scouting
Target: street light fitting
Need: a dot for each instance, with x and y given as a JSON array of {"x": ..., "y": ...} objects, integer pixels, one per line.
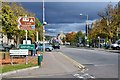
[
  {"x": 44, "y": 23},
  {"x": 84, "y": 15},
  {"x": 98, "y": 37},
  {"x": 87, "y": 25},
  {"x": 81, "y": 14}
]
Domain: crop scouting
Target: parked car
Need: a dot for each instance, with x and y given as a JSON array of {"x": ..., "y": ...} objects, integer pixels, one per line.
[
  {"x": 8, "y": 47},
  {"x": 5, "y": 47},
  {"x": 47, "y": 47},
  {"x": 116, "y": 45},
  {"x": 56, "y": 45},
  {"x": 67, "y": 43},
  {"x": 107, "y": 46},
  {"x": 2, "y": 48},
  {"x": 80, "y": 45}
]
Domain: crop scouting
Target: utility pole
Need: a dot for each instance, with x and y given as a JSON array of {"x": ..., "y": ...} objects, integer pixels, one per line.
[
  {"x": 26, "y": 33},
  {"x": 37, "y": 36},
  {"x": 86, "y": 35},
  {"x": 98, "y": 41},
  {"x": 44, "y": 23},
  {"x": 87, "y": 26}
]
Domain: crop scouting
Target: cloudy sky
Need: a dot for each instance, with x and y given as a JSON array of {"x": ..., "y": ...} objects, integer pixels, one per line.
[{"x": 65, "y": 16}]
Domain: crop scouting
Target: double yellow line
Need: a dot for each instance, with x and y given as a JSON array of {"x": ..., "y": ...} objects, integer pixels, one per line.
[{"x": 78, "y": 65}]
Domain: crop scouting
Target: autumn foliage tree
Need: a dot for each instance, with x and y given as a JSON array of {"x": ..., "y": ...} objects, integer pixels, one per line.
[
  {"x": 10, "y": 14},
  {"x": 70, "y": 37},
  {"x": 107, "y": 26}
]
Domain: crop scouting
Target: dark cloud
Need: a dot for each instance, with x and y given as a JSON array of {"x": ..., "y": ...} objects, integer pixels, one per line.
[
  {"x": 66, "y": 12},
  {"x": 64, "y": 16}
]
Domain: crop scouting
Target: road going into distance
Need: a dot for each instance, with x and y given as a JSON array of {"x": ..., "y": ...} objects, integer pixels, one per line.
[{"x": 99, "y": 63}]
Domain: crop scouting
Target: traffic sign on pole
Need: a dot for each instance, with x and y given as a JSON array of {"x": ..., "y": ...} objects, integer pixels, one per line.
[{"x": 26, "y": 23}]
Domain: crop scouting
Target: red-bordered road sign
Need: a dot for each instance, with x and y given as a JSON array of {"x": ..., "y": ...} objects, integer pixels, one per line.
[
  {"x": 24, "y": 27},
  {"x": 26, "y": 23}
]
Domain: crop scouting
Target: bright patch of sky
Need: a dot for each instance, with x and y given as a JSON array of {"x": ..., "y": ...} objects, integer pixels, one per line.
[{"x": 54, "y": 29}]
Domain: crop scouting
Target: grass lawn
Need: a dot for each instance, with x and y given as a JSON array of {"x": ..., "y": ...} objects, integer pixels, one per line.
[{"x": 7, "y": 68}]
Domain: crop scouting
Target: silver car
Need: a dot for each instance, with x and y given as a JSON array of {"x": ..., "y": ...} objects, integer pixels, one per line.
[
  {"x": 116, "y": 45},
  {"x": 47, "y": 47}
]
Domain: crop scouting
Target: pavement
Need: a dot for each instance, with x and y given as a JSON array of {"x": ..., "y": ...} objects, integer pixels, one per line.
[
  {"x": 107, "y": 50},
  {"x": 54, "y": 65}
]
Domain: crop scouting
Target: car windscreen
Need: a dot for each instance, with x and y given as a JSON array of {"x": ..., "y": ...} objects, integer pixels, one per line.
[
  {"x": 45, "y": 44},
  {"x": 117, "y": 42}
]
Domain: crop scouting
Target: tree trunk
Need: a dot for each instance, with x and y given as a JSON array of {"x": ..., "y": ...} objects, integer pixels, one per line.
[
  {"x": 15, "y": 41},
  {"x": 7, "y": 39},
  {"x": 18, "y": 40}
]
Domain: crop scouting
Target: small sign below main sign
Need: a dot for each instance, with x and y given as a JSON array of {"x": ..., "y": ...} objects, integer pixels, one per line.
[
  {"x": 19, "y": 52},
  {"x": 24, "y": 27}
]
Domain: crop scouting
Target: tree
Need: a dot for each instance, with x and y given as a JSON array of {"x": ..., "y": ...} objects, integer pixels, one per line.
[
  {"x": 20, "y": 11},
  {"x": 79, "y": 37},
  {"x": 70, "y": 37},
  {"x": 10, "y": 14},
  {"x": 39, "y": 28},
  {"x": 32, "y": 33},
  {"x": 8, "y": 21},
  {"x": 0, "y": 17},
  {"x": 106, "y": 21},
  {"x": 107, "y": 26}
]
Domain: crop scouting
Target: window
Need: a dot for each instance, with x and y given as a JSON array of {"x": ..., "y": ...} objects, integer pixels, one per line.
[{"x": 119, "y": 42}]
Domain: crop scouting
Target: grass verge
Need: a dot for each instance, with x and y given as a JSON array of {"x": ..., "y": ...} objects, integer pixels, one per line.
[{"x": 7, "y": 68}]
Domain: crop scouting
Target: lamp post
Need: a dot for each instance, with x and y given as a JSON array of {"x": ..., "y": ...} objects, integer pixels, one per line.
[
  {"x": 44, "y": 23},
  {"x": 99, "y": 41},
  {"x": 86, "y": 25}
]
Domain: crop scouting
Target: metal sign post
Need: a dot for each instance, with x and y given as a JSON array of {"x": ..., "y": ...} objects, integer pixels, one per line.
[
  {"x": 26, "y": 43},
  {"x": 11, "y": 59},
  {"x": 26, "y": 59},
  {"x": 26, "y": 31},
  {"x": 26, "y": 37},
  {"x": 37, "y": 36}
]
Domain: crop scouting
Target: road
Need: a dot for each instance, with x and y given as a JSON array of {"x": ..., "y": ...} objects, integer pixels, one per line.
[{"x": 100, "y": 64}]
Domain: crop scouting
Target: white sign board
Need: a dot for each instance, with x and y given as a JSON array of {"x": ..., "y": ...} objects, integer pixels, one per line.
[
  {"x": 28, "y": 41},
  {"x": 19, "y": 52}
]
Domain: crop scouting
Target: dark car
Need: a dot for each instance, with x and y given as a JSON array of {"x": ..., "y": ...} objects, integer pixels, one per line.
[
  {"x": 7, "y": 47},
  {"x": 2, "y": 48},
  {"x": 107, "y": 46},
  {"x": 56, "y": 45}
]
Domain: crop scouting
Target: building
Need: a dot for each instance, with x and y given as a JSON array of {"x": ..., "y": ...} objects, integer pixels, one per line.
[
  {"x": 60, "y": 37},
  {"x": 5, "y": 40}
]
